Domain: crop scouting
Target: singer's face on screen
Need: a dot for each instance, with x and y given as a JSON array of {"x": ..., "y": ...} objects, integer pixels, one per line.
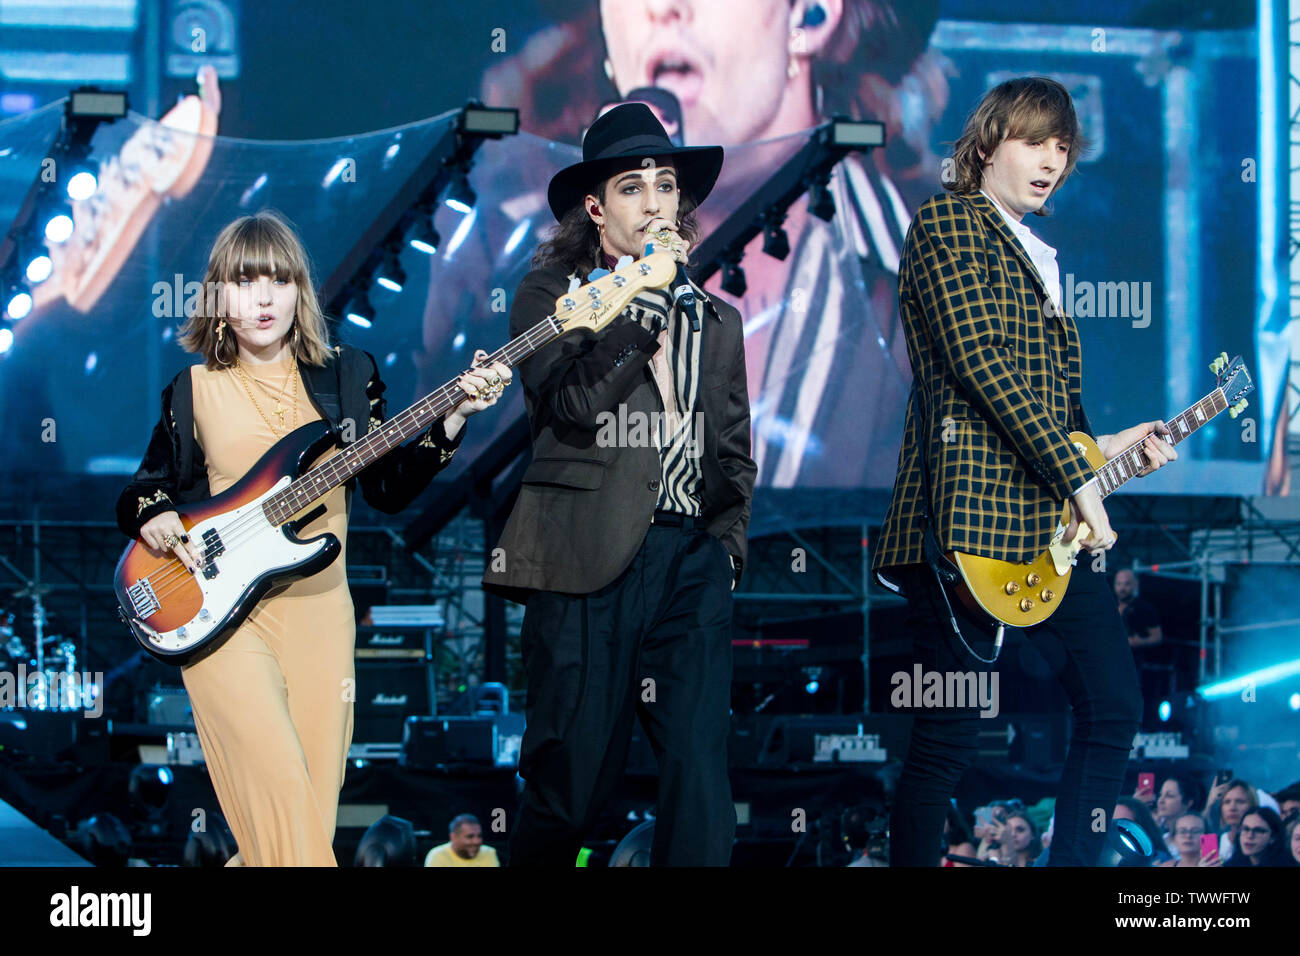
[
  {"x": 634, "y": 199},
  {"x": 261, "y": 309},
  {"x": 725, "y": 60}
]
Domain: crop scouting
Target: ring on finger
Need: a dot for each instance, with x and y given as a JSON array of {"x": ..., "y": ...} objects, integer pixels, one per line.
[{"x": 171, "y": 540}]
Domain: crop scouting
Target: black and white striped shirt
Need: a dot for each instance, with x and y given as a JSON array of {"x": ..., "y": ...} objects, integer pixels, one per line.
[{"x": 678, "y": 433}]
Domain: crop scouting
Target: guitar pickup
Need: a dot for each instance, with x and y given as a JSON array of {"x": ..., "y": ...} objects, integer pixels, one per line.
[
  {"x": 212, "y": 548},
  {"x": 143, "y": 599}
]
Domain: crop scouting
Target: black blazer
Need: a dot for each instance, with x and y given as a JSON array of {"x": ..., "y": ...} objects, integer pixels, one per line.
[
  {"x": 347, "y": 388},
  {"x": 583, "y": 510}
]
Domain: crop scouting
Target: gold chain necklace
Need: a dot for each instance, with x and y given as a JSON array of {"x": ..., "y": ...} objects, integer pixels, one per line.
[{"x": 279, "y": 409}]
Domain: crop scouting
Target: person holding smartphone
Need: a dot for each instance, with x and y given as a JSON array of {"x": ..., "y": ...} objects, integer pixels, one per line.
[{"x": 1194, "y": 845}]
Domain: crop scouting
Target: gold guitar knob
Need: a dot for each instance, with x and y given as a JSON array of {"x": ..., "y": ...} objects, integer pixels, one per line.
[
  {"x": 1026, "y": 604},
  {"x": 1031, "y": 579},
  {"x": 1012, "y": 587},
  {"x": 1047, "y": 595}
]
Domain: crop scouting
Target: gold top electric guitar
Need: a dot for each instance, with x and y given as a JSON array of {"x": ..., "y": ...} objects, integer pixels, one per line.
[{"x": 1020, "y": 594}]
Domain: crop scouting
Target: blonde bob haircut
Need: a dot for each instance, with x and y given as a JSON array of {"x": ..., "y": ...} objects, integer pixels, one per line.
[
  {"x": 1031, "y": 108},
  {"x": 263, "y": 244}
]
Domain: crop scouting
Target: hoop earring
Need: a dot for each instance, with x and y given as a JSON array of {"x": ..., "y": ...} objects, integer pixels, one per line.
[{"x": 295, "y": 338}]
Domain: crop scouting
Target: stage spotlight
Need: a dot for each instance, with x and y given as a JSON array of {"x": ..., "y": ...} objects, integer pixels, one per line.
[
  {"x": 391, "y": 275},
  {"x": 58, "y": 228},
  {"x": 425, "y": 238},
  {"x": 82, "y": 185},
  {"x": 39, "y": 269},
  {"x": 19, "y": 304},
  {"x": 6, "y": 340},
  {"x": 775, "y": 241},
  {"x": 149, "y": 787},
  {"x": 733, "y": 280},
  {"x": 856, "y": 133},
  {"x": 634, "y": 849},
  {"x": 813, "y": 677},
  {"x": 1294, "y": 702},
  {"x": 820, "y": 201},
  {"x": 493, "y": 122},
  {"x": 460, "y": 195},
  {"x": 88, "y": 102},
  {"x": 390, "y": 841},
  {"x": 459, "y": 341},
  {"x": 1126, "y": 845},
  {"x": 360, "y": 311},
  {"x": 1165, "y": 711},
  {"x": 210, "y": 847},
  {"x": 103, "y": 840}
]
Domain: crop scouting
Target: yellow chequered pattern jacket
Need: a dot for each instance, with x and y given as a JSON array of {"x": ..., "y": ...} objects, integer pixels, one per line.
[{"x": 1000, "y": 378}]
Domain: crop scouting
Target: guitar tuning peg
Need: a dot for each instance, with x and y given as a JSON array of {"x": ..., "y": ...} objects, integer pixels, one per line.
[
  {"x": 1223, "y": 358},
  {"x": 1234, "y": 411}
]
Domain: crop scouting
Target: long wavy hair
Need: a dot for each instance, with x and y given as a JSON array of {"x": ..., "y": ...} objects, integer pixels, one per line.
[
  {"x": 1032, "y": 108},
  {"x": 262, "y": 244},
  {"x": 573, "y": 246}
]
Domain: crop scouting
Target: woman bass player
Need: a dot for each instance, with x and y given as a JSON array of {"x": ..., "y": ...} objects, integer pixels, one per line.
[{"x": 272, "y": 704}]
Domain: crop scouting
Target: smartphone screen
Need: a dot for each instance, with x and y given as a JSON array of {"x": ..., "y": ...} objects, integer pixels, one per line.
[
  {"x": 1209, "y": 844},
  {"x": 983, "y": 816},
  {"x": 1146, "y": 781}
]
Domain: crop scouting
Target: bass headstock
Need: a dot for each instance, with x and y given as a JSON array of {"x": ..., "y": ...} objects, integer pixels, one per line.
[{"x": 593, "y": 305}]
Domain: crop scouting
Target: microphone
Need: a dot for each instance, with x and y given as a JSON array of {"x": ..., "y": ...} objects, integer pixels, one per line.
[{"x": 684, "y": 296}]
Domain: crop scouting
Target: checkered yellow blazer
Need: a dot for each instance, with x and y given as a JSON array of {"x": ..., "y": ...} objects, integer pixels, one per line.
[{"x": 997, "y": 389}]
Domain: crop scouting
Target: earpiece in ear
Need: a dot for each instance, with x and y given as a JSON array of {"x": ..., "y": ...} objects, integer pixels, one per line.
[{"x": 814, "y": 15}]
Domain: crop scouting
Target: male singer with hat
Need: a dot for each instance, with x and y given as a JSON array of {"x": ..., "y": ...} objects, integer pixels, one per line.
[{"x": 627, "y": 539}]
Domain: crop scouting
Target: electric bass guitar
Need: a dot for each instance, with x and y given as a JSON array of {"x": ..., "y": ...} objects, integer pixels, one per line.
[
  {"x": 247, "y": 534},
  {"x": 1020, "y": 594}
]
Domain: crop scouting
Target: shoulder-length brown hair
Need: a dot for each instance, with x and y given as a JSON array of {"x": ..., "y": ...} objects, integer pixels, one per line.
[
  {"x": 1032, "y": 108},
  {"x": 574, "y": 244},
  {"x": 262, "y": 244}
]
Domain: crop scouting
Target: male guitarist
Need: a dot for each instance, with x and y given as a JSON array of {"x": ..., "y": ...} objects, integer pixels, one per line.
[
  {"x": 987, "y": 462},
  {"x": 629, "y": 531}
]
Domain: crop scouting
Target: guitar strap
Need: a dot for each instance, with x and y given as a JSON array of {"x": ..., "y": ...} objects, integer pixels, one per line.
[{"x": 945, "y": 572}]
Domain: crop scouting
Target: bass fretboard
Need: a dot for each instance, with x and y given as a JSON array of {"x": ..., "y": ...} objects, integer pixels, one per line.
[{"x": 361, "y": 454}]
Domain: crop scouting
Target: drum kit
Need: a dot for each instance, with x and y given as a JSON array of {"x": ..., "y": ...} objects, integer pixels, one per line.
[{"x": 39, "y": 670}]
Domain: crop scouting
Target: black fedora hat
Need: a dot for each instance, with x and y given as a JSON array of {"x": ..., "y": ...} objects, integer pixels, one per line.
[{"x": 620, "y": 140}]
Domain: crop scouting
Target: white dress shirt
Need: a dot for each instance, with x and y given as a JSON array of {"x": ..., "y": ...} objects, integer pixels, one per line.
[{"x": 1040, "y": 253}]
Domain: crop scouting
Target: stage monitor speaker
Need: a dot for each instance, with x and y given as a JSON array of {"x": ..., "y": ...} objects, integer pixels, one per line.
[{"x": 387, "y": 693}]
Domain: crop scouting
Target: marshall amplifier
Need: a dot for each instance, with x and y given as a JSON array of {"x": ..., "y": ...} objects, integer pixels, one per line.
[
  {"x": 394, "y": 643},
  {"x": 387, "y": 693},
  {"x": 432, "y": 742}
]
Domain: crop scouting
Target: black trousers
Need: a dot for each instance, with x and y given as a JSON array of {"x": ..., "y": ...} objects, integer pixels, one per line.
[
  {"x": 653, "y": 644},
  {"x": 1087, "y": 647}
]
